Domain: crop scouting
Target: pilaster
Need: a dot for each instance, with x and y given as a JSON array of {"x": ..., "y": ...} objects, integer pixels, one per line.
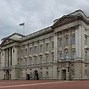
[{"x": 55, "y": 47}]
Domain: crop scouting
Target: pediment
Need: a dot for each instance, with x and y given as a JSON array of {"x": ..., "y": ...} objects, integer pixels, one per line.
[
  {"x": 75, "y": 16},
  {"x": 6, "y": 41},
  {"x": 63, "y": 20},
  {"x": 15, "y": 37}
]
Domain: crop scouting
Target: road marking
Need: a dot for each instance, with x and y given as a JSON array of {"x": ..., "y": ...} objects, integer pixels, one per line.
[{"x": 34, "y": 84}]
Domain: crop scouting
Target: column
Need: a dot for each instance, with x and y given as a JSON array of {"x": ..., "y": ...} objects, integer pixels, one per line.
[
  {"x": 3, "y": 58},
  {"x": 10, "y": 56},
  {"x": 55, "y": 57},
  {"x": 55, "y": 47},
  {"x": 78, "y": 42},
  {"x": 69, "y": 50},
  {"x": 14, "y": 55}
]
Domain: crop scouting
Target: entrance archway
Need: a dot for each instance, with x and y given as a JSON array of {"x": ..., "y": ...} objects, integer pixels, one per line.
[
  {"x": 64, "y": 74},
  {"x": 7, "y": 75},
  {"x": 36, "y": 76},
  {"x": 27, "y": 76}
]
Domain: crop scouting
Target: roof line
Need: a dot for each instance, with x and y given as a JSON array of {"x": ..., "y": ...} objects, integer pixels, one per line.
[{"x": 12, "y": 35}]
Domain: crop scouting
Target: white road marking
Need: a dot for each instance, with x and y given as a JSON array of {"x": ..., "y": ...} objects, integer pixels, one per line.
[{"x": 34, "y": 84}]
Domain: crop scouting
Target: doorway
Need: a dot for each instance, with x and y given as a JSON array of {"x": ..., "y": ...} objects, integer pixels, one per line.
[
  {"x": 7, "y": 75},
  {"x": 64, "y": 74},
  {"x": 27, "y": 76},
  {"x": 36, "y": 76}
]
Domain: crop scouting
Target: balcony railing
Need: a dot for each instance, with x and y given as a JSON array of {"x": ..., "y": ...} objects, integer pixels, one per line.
[
  {"x": 7, "y": 67},
  {"x": 26, "y": 66},
  {"x": 32, "y": 65}
]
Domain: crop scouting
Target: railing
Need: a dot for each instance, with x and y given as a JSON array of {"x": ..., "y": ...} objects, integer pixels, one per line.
[
  {"x": 7, "y": 67},
  {"x": 25, "y": 66},
  {"x": 33, "y": 65}
]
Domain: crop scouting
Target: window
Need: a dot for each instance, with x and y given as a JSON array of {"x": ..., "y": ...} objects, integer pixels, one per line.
[
  {"x": 46, "y": 58},
  {"x": 52, "y": 57},
  {"x": 66, "y": 53},
  {"x": 73, "y": 38},
  {"x": 46, "y": 67},
  {"x": 60, "y": 54},
  {"x": 52, "y": 44},
  {"x": 35, "y": 49},
  {"x": 26, "y": 69},
  {"x": 25, "y": 51},
  {"x": 40, "y": 59},
  {"x": 30, "y": 50},
  {"x": 40, "y": 48},
  {"x": 35, "y": 60},
  {"x": 25, "y": 61},
  {"x": 86, "y": 55},
  {"x": 21, "y": 61},
  {"x": 73, "y": 53},
  {"x": 46, "y": 46},
  {"x": 66, "y": 40},
  {"x": 21, "y": 53},
  {"x": 30, "y": 60},
  {"x": 85, "y": 40},
  {"x": 85, "y": 65},
  {"x": 40, "y": 68},
  {"x": 59, "y": 42}
]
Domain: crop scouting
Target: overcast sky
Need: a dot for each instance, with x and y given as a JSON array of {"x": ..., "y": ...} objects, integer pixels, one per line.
[{"x": 36, "y": 14}]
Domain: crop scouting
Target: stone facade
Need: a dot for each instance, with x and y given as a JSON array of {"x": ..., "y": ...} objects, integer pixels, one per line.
[{"x": 56, "y": 52}]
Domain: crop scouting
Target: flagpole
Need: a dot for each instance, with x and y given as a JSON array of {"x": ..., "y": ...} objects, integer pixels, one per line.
[{"x": 23, "y": 27}]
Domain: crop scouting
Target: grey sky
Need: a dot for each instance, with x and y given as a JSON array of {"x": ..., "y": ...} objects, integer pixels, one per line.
[{"x": 36, "y": 14}]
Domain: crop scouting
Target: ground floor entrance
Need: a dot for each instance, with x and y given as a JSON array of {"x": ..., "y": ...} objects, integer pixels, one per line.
[
  {"x": 63, "y": 74},
  {"x": 36, "y": 75},
  {"x": 27, "y": 76},
  {"x": 7, "y": 75}
]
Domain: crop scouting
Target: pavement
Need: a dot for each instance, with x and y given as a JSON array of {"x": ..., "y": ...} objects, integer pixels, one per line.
[{"x": 43, "y": 84}]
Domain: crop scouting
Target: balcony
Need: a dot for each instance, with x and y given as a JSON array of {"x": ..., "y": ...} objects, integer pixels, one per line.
[
  {"x": 32, "y": 65},
  {"x": 7, "y": 67},
  {"x": 65, "y": 59}
]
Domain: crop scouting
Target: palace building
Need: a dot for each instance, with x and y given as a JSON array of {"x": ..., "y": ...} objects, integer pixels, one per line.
[{"x": 60, "y": 51}]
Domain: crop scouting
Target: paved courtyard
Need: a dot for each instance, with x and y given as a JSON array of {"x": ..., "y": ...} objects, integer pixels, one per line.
[{"x": 43, "y": 84}]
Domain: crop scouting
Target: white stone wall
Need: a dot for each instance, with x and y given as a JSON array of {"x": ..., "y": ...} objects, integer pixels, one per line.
[{"x": 27, "y": 55}]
